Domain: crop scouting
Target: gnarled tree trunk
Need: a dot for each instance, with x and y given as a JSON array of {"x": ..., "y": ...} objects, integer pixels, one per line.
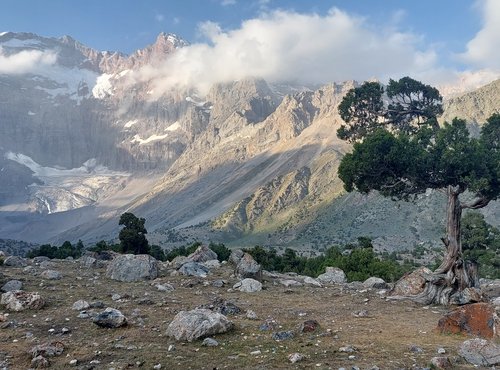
[{"x": 455, "y": 280}]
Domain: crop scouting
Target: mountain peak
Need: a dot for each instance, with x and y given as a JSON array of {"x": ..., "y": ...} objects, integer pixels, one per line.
[{"x": 170, "y": 38}]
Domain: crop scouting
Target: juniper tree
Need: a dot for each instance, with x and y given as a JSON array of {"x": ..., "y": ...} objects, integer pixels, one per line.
[{"x": 400, "y": 150}]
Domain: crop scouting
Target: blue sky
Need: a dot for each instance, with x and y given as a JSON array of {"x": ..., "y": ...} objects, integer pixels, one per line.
[{"x": 305, "y": 40}]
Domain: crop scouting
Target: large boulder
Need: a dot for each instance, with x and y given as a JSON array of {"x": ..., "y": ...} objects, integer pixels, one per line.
[
  {"x": 178, "y": 261},
  {"x": 110, "y": 318},
  {"x": 15, "y": 261},
  {"x": 194, "y": 269},
  {"x": 19, "y": 300},
  {"x": 198, "y": 323},
  {"x": 248, "y": 285},
  {"x": 477, "y": 319},
  {"x": 375, "y": 283},
  {"x": 131, "y": 267},
  {"x": 412, "y": 283},
  {"x": 203, "y": 254},
  {"x": 480, "y": 352},
  {"x": 247, "y": 267},
  {"x": 12, "y": 285},
  {"x": 51, "y": 275},
  {"x": 235, "y": 256},
  {"x": 332, "y": 275}
]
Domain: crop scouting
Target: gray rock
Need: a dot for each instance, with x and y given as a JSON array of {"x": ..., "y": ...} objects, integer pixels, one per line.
[
  {"x": 283, "y": 335},
  {"x": 496, "y": 301},
  {"x": 51, "y": 275},
  {"x": 11, "y": 285},
  {"x": 441, "y": 362},
  {"x": 295, "y": 357},
  {"x": 247, "y": 267},
  {"x": 375, "y": 283},
  {"x": 80, "y": 305},
  {"x": 209, "y": 342},
  {"x": 235, "y": 257},
  {"x": 211, "y": 264},
  {"x": 289, "y": 283},
  {"x": 40, "y": 259},
  {"x": 47, "y": 265},
  {"x": 333, "y": 275},
  {"x": 203, "y": 254},
  {"x": 49, "y": 349},
  {"x": 15, "y": 261},
  {"x": 248, "y": 285},
  {"x": 131, "y": 267},
  {"x": 39, "y": 362},
  {"x": 219, "y": 283},
  {"x": 88, "y": 261},
  {"x": 110, "y": 318},
  {"x": 251, "y": 315},
  {"x": 165, "y": 287},
  {"x": 480, "y": 352},
  {"x": 311, "y": 281},
  {"x": 178, "y": 261},
  {"x": 198, "y": 323},
  {"x": 19, "y": 300},
  {"x": 194, "y": 269}
]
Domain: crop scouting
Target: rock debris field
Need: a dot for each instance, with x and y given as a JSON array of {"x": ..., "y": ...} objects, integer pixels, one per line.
[{"x": 107, "y": 311}]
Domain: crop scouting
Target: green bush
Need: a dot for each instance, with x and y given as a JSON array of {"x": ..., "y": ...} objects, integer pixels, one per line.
[
  {"x": 64, "y": 251},
  {"x": 221, "y": 250}
]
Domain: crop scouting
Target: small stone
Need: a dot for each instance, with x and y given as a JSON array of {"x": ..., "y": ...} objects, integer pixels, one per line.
[
  {"x": 441, "y": 363},
  {"x": 73, "y": 362},
  {"x": 209, "y": 342},
  {"x": 116, "y": 297},
  {"x": 347, "y": 349},
  {"x": 415, "y": 349},
  {"x": 309, "y": 326},
  {"x": 351, "y": 357},
  {"x": 65, "y": 330},
  {"x": 171, "y": 348},
  {"x": 48, "y": 349},
  {"x": 219, "y": 283},
  {"x": 51, "y": 275},
  {"x": 255, "y": 353},
  {"x": 40, "y": 362},
  {"x": 248, "y": 285},
  {"x": 295, "y": 357},
  {"x": 165, "y": 287},
  {"x": 80, "y": 305},
  {"x": 251, "y": 315},
  {"x": 157, "y": 367},
  {"x": 283, "y": 335},
  {"x": 441, "y": 351}
]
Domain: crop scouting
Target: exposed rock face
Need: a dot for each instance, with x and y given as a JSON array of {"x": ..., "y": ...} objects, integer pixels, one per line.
[
  {"x": 332, "y": 275},
  {"x": 193, "y": 269},
  {"x": 198, "y": 323},
  {"x": 411, "y": 284},
  {"x": 130, "y": 267},
  {"x": 480, "y": 352},
  {"x": 477, "y": 319},
  {"x": 203, "y": 254},
  {"x": 19, "y": 300}
]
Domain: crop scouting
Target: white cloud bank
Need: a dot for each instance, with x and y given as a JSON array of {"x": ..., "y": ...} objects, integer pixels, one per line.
[
  {"x": 288, "y": 46},
  {"x": 483, "y": 50},
  {"x": 25, "y": 61}
]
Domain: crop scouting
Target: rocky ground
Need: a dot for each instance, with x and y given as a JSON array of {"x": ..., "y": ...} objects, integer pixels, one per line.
[{"x": 288, "y": 324}]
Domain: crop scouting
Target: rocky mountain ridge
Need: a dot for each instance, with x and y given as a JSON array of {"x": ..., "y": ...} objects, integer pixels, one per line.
[{"x": 249, "y": 162}]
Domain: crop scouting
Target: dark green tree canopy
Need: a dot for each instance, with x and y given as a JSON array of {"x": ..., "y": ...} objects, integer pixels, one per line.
[
  {"x": 404, "y": 106},
  {"x": 132, "y": 236}
]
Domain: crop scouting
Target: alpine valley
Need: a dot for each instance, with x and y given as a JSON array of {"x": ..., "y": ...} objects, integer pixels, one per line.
[{"x": 89, "y": 136}]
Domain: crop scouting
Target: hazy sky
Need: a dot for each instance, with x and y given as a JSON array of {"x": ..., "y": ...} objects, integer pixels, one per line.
[{"x": 310, "y": 40}]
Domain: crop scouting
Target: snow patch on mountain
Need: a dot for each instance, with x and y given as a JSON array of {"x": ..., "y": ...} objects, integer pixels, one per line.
[
  {"x": 138, "y": 139},
  {"x": 130, "y": 123},
  {"x": 173, "y": 127}
]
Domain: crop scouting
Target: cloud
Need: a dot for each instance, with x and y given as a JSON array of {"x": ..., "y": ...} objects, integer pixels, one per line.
[
  {"x": 159, "y": 17},
  {"x": 483, "y": 50},
  {"x": 25, "y": 61},
  {"x": 290, "y": 46},
  {"x": 228, "y": 2}
]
